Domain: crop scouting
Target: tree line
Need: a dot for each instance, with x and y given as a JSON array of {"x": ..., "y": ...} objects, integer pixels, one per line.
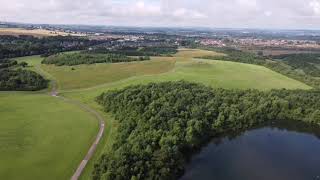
[
  {"x": 138, "y": 51},
  {"x": 12, "y": 46},
  {"x": 161, "y": 125},
  {"x": 71, "y": 59}
]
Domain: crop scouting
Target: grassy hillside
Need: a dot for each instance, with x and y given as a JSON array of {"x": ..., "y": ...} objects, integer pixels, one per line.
[
  {"x": 181, "y": 67},
  {"x": 84, "y": 76},
  {"x": 35, "y": 32},
  {"x": 190, "y": 53},
  {"x": 42, "y": 137},
  {"x": 31, "y": 60}
]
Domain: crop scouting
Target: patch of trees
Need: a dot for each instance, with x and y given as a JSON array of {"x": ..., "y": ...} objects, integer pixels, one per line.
[
  {"x": 12, "y": 46},
  {"x": 139, "y": 51},
  {"x": 21, "y": 80},
  {"x": 161, "y": 125},
  {"x": 71, "y": 59}
]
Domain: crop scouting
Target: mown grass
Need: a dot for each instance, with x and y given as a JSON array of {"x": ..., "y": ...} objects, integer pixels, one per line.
[
  {"x": 42, "y": 137},
  {"x": 191, "y": 53},
  {"x": 35, "y": 32},
  {"x": 31, "y": 60},
  {"x": 84, "y": 76}
]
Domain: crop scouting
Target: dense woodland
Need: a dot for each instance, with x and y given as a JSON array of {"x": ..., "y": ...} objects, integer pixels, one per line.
[
  {"x": 21, "y": 80},
  {"x": 13, "y": 78},
  {"x": 71, "y": 59},
  {"x": 287, "y": 67},
  {"x": 161, "y": 125},
  {"x": 12, "y": 46},
  {"x": 139, "y": 51}
]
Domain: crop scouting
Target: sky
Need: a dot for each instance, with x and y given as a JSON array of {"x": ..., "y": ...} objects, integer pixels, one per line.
[{"x": 282, "y": 14}]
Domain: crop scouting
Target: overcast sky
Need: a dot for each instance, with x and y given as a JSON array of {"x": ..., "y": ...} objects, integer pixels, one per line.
[{"x": 202, "y": 13}]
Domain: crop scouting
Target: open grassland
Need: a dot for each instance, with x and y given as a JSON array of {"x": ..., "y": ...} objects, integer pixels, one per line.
[
  {"x": 42, "y": 137},
  {"x": 31, "y": 60},
  {"x": 84, "y": 76},
  {"x": 217, "y": 74},
  {"x": 34, "y": 32},
  {"x": 191, "y": 53}
]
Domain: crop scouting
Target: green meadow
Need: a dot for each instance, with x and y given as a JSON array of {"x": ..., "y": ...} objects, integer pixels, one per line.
[
  {"x": 42, "y": 137},
  {"x": 46, "y": 137}
]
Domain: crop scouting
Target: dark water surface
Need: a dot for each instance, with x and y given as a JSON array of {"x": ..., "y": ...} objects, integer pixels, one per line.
[{"x": 267, "y": 153}]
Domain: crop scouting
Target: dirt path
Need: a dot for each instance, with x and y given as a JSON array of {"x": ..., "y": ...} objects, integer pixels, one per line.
[{"x": 90, "y": 153}]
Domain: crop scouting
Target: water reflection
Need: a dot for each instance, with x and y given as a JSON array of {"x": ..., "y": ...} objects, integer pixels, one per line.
[{"x": 274, "y": 151}]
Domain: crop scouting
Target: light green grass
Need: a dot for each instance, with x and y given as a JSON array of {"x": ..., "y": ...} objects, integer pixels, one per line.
[
  {"x": 42, "y": 137},
  {"x": 217, "y": 74},
  {"x": 191, "y": 53},
  {"x": 84, "y": 76},
  {"x": 31, "y": 60}
]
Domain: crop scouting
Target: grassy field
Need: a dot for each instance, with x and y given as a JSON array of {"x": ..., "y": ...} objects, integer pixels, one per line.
[
  {"x": 190, "y": 53},
  {"x": 85, "y": 76},
  {"x": 34, "y": 32},
  {"x": 86, "y": 82},
  {"x": 181, "y": 67},
  {"x": 42, "y": 137},
  {"x": 31, "y": 60}
]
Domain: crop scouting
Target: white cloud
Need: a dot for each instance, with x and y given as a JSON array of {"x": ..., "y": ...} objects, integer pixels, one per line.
[
  {"x": 315, "y": 5},
  {"x": 213, "y": 13},
  {"x": 268, "y": 13},
  {"x": 188, "y": 14},
  {"x": 249, "y": 3}
]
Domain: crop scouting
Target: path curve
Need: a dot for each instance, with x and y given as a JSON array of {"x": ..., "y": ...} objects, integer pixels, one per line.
[{"x": 93, "y": 147}]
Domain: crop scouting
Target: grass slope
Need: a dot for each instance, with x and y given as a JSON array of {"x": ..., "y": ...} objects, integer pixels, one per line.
[
  {"x": 190, "y": 53},
  {"x": 180, "y": 67},
  {"x": 42, "y": 137},
  {"x": 84, "y": 76},
  {"x": 35, "y": 32}
]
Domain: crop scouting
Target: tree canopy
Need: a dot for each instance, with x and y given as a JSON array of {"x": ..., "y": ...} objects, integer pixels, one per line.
[
  {"x": 71, "y": 59},
  {"x": 11, "y": 46},
  {"x": 161, "y": 125},
  {"x": 21, "y": 80}
]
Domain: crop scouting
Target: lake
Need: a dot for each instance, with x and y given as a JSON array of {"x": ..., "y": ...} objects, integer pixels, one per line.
[{"x": 271, "y": 152}]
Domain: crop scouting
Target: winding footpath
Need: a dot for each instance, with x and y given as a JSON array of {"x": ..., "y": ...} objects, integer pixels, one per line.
[{"x": 90, "y": 153}]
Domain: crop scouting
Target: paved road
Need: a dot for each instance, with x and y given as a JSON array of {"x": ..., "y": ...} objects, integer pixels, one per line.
[{"x": 90, "y": 153}]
